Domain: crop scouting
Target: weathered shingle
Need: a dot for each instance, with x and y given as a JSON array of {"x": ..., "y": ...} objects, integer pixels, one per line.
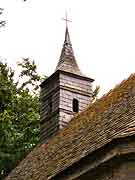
[{"x": 67, "y": 61}]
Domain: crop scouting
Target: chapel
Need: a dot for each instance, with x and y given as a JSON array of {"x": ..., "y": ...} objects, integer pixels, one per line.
[{"x": 81, "y": 139}]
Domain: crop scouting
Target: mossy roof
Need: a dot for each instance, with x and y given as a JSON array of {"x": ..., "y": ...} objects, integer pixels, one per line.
[{"x": 87, "y": 131}]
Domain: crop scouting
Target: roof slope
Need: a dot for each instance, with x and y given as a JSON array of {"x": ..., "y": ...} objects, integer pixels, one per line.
[
  {"x": 67, "y": 61},
  {"x": 108, "y": 118}
]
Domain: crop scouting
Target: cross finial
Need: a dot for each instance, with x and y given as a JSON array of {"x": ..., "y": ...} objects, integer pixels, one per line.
[{"x": 66, "y": 19}]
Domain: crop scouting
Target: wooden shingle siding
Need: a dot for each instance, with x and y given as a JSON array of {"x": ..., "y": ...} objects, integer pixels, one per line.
[
  {"x": 62, "y": 89},
  {"x": 75, "y": 83},
  {"x": 70, "y": 88},
  {"x": 49, "y": 128},
  {"x": 49, "y": 120}
]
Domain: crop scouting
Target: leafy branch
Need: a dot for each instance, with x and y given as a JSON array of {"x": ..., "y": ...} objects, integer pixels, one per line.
[{"x": 2, "y": 23}]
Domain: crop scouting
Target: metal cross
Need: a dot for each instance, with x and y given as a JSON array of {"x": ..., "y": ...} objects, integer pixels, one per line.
[{"x": 66, "y": 19}]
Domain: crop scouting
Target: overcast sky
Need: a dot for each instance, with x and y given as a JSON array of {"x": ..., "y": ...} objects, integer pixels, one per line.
[{"x": 102, "y": 34}]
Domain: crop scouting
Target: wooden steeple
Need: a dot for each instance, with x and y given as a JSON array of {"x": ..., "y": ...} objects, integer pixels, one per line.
[
  {"x": 67, "y": 61},
  {"x": 66, "y": 92}
]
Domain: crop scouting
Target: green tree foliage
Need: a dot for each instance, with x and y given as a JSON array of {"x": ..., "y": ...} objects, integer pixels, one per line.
[
  {"x": 2, "y": 23},
  {"x": 19, "y": 114},
  {"x": 95, "y": 93}
]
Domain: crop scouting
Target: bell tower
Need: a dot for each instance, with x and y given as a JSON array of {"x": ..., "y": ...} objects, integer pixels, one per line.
[{"x": 66, "y": 92}]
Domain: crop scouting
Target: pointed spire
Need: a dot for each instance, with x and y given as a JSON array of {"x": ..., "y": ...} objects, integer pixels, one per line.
[
  {"x": 67, "y": 60},
  {"x": 67, "y": 37}
]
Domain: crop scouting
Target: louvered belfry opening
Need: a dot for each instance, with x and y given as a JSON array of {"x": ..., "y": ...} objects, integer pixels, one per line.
[{"x": 65, "y": 92}]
